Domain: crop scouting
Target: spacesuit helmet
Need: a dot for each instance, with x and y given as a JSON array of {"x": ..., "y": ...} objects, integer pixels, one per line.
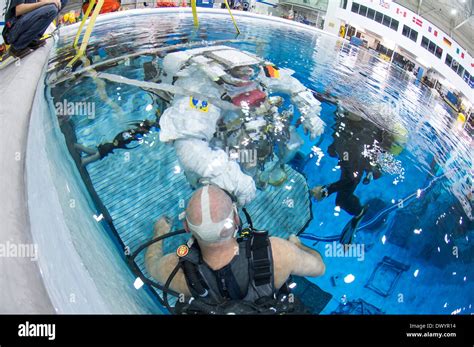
[{"x": 246, "y": 72}]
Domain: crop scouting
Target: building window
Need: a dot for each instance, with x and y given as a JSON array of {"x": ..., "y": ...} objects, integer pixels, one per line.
[
  {"x": 410, "y": 33},
  {"x": 467, "y": 76},
  {"x": 355, "y": 7},
  {"x": 378, "y": 17},
  {"x": 371, "y": 14},
  {"x": 455, "y": 66},
  {"x": 394, "y": 24},
  {"x": 406, "y": 31},
  {"x": 344, "y": 4},
  {"x": 374, "y": 15},
  {"x": 425, "y": 42},
  {"x": 448, "y": 60},
  {"x": 384, "y": 50},
  {"x": 431, "y": 47}
]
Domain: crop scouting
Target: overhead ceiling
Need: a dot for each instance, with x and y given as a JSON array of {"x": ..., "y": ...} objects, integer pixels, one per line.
[{"x": 455, "y": 17}]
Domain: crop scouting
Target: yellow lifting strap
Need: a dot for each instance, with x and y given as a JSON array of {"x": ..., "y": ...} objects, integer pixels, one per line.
[
  {"x": 90, "y": 26},
  {"x": 196, "y": 20},
  {"x": 195, "y": 15},
  {"x": 85, "y": 40},
  {"x": 231, "y": 16}
]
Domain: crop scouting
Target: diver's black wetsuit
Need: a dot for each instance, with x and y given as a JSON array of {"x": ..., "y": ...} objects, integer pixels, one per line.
[
  {"x": 124, "y": 138},
  {"x": 348, "y": 147}
]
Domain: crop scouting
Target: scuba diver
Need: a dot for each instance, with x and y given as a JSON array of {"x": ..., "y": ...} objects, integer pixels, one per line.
[
  {"x": 121, "y": 141},
  {"x": 357, "y": 145},
  {"x": 228, "y": 101},
  {"x": 218, "y": 273}
]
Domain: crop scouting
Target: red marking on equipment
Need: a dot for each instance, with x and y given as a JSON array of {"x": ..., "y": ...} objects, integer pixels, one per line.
[{"x": 252, "y": 98}]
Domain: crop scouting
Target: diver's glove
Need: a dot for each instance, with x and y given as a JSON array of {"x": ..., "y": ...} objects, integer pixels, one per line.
[
  {"x": 368, "y": 178},
  {"x": 312, "y": 125},
  {"x": 247, "y": 192},
  {"x": 310, "y": 108}
]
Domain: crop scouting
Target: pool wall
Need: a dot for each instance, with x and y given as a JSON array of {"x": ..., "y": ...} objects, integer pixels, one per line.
[{"x": 82, "y": 268}]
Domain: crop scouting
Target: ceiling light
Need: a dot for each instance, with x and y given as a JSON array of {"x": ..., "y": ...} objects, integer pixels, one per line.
[{"x": 453, "y": 11}]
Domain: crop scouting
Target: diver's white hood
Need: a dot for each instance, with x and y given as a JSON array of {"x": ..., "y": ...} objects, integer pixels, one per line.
[{"x": 208, "y": 230}]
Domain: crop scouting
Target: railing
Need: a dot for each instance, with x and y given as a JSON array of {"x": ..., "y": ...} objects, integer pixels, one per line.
[{"x": 320, "y": 5}]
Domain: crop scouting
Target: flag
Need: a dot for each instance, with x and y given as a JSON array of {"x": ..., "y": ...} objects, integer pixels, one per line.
[
  {"x": 462, "y": 55},
  {"x": 446, "y": 41},
  {"x": 417, "y": 21},
  {"x": 271, "y": 71},
  {"x": 436, "y": 33}
]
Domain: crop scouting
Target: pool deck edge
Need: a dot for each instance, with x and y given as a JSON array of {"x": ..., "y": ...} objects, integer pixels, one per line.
[{"x": 22, "y": 285}]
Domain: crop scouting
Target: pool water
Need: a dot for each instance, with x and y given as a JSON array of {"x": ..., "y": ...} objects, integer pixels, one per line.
[{"x": 413, "y": 249}]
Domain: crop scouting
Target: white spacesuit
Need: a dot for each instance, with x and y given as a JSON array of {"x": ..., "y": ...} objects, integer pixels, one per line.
[{"x": 244, "y": 84}]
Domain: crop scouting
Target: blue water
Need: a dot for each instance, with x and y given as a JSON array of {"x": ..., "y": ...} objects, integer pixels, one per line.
[{"x": 416, "y": 235}]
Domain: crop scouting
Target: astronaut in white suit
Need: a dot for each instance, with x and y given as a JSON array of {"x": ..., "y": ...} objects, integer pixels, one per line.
[{"x": 223, "y": 87}]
